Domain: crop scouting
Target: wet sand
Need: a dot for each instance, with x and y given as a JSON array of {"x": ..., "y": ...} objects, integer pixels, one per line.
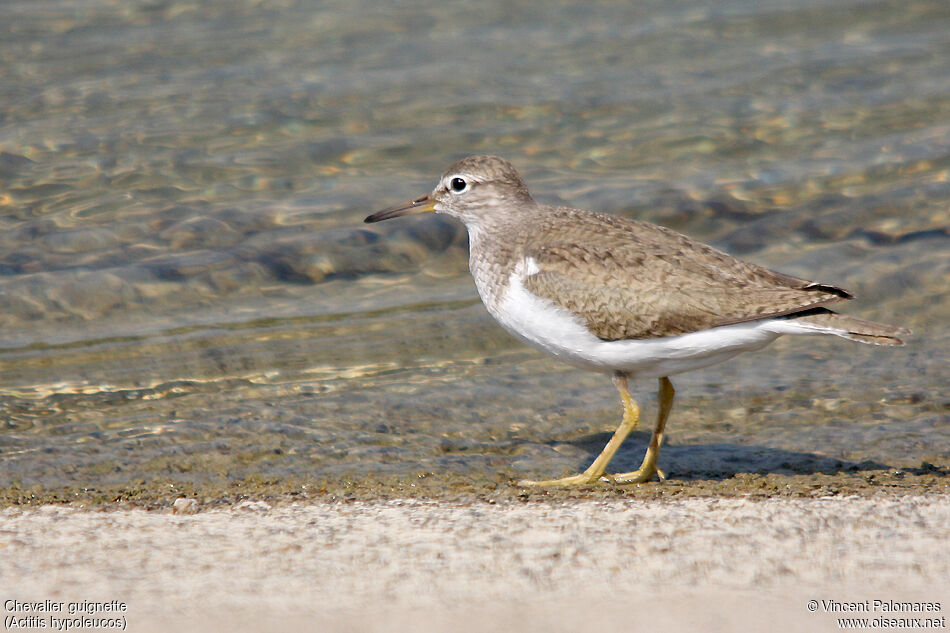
[{"x": 719, "y": 564}]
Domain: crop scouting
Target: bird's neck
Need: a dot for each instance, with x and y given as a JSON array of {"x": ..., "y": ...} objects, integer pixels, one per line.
[{"x": 493, "y": 253}]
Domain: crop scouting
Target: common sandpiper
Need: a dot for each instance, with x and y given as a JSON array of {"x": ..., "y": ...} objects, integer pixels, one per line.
[{"x": 623, "y": 297}]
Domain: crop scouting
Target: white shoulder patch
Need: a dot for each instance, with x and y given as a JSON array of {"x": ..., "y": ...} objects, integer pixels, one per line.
[{"x": 530, "y": 267}]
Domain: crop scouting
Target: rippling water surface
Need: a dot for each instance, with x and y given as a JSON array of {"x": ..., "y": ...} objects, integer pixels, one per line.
[{"x": 187, "y": 291}]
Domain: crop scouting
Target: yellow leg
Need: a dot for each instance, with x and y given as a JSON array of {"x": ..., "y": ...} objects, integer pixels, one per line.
[
  {"x": 594, "y": 472},
  {"x": 648, "y": 467}
]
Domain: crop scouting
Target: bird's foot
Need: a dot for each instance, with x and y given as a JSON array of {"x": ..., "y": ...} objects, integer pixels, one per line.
[
  {"x": 642, "y": 475},
  {"x": 580, "y": 479}
]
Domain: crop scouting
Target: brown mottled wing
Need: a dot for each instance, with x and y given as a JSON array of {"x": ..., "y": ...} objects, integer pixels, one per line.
[{"x": 635, "y": 280}]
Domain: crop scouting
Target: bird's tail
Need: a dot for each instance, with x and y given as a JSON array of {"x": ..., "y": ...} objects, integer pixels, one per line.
[{"x": 829, "y": 322}]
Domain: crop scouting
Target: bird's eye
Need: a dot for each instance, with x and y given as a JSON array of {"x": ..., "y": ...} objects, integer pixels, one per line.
[{"x": 458, "y": 185}]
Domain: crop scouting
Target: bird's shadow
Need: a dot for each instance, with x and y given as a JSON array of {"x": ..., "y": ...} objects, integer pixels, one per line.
[{"x": 721, "y": 461}]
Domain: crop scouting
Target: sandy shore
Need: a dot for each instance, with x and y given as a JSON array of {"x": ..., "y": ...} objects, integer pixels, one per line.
[{"x": 631, "y": 564}]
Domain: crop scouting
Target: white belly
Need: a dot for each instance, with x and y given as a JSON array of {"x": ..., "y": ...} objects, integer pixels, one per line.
[{"x": 544, "y": 324}]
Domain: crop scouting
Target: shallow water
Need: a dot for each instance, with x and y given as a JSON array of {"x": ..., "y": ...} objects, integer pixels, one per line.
[{"x": 187, "y": 291}]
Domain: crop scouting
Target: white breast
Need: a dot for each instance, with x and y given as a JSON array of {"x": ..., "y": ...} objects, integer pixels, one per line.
[{"x": 544, "y": 324}]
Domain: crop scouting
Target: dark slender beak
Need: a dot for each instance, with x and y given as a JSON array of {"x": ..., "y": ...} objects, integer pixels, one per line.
[{"x": 419, "y": 205}]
